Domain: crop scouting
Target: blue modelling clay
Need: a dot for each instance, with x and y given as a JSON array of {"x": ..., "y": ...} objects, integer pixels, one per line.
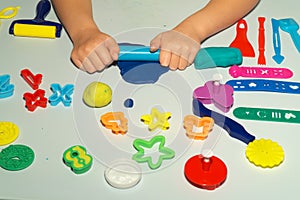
[
  {"x": 234, "y": 129},
  {"x": 6, "y": 89},
  {"x": 128, "y": 103},
  {"x": 61, "y": 94}
]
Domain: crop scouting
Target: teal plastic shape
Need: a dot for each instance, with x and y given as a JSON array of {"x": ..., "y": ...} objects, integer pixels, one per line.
[
  {"x": 140, "y": 157},
  {"x": 210, "y": 57}
]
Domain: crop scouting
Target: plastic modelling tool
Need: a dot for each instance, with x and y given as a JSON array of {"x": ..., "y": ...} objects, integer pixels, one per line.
[
  {"x": 234, "y": 129},
  {"x": 8, "y": 12},
  {"x": 6, "y": 88},
  {"x": 34, "y": 100},
  {"x": 260, "y": 72},
  {"x": 264, "y": 154},
  {"x": 278, "y": 58},
  {"x": 221, "y": 95},
  {"x": 33, "y": 81},
  {"x": 202, "y": 125},
  {"x": 77, "y": 159},
  {"x": 290, "y": 26},
  {"x": 261, "y": 41},
  {"x": 267, "y": 114},
  {"x": 61, "y": 94},
  {"x": 140, "y": 145},
  {"x": 9, "y": 132},
  {"x": 265, "y": 85},
  {"x": 37, "y": 27},
  {"x": 123, "y": 174},
  {"x": 116, "y": 121},
  {"x": 157, "y": 120},
  {"x": 206, "y": 57},
  {"x": 16, "y": 157},
  {"x": 205, "y": 172},
  {"x": 241, "y": 41}
]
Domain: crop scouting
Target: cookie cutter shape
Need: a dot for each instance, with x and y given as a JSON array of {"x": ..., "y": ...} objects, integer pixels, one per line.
[
  {"x": 6, "y": 89},
  {"x": 157, "y": 120},
  {"x": 37, "y": 99},
  {"x": 265, "y": 153},
  {"x": 33, "y": 81},
  {"x": 61, "y": 94},
  {"x": 221, "y": 95},
  {"x": 16, "y": 157},
  {"x": 140, "y": 145},
  {"x": 77, "y": 159},
  {"x": 110, "y": 120},
  {"x": 191, "y": 121},
  {"x": 9, "y": 132}
]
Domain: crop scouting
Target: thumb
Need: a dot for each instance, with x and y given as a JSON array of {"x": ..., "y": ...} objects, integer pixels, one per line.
[{"x": 155, "y": 43}]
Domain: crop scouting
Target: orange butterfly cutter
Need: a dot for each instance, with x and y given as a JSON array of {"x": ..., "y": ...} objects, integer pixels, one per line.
[
  {"x": 116, "y": 121},
  {"x": 198, "y": 128}
]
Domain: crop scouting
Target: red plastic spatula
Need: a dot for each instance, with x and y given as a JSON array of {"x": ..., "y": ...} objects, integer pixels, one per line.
[{"x": 241, "y": 41}]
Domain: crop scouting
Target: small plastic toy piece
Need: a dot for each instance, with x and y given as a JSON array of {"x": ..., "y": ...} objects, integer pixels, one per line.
[
  {"x": 205, "y": 172},
  {"x": 214, "y": 92},
  {"x": 61, "y": 94},
  {"x": 191, "y": 121},
  {"x": 234, "y": 129},
  {"x": 97, "y": 94},
  {"x": 128, "y": 103},
  {"x": 267, "y": 114},
  {"x": 140, "y": 145},
  {"x": 37, "y": 99},
  {"x": 33, "y": 81},
  {"x": 6, "y": 89},
  {"x": 278, "y": 58},
  {"x": 16, "y": 157},
  {"x": 290, "y": 26},
  {"x": 265, "y": 85},
  {"x": 157, "y": 120},
  {"x": 109, "y": 121},
  {"x": 261, "y": 41},
  {"x": 265, "y": 153},
  {"x": 210, "y": 57},
  {"x": 260, "y": 72},
  {"x": 77, "y": 159},
  {"x": 9, "y": 132},
  {"x": 123, "y": 174},
  {"x": 241, "y": 41},
  {"x": 9, "y": 12}
]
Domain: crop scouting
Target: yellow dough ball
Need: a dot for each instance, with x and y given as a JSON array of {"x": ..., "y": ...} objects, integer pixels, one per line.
[{"x": 97, "y": 94}]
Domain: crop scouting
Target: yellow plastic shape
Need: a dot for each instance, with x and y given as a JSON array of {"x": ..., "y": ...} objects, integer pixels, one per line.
[
  {"x": 9, "y": 12},
  {"x": 97, "y": 94},
  {"x": 116, "y": 121},
  {"x": 157, "y": 120},
  {"x": 265, "y": 153},
  {"x": 191, "y": 121},
  {"x": 9, "y": 132}
]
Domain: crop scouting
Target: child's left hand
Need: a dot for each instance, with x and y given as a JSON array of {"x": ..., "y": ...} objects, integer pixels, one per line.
[{"x": 177, "y": 50}]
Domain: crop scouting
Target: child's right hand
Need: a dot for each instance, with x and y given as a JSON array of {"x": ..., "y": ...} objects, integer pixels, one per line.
[{"x": 94, "y": 50}]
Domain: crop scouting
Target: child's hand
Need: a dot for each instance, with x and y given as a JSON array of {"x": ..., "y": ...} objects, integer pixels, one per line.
[
  {"x": 94, "y": 50},
  {"x": 177, "y": 50}
]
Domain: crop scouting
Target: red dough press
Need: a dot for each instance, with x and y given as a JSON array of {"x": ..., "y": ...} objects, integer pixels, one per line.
[{"x": 241, "y": 41}]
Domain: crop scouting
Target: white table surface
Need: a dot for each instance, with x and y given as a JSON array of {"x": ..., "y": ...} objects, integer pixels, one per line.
[{"x": 50, "y": 131}]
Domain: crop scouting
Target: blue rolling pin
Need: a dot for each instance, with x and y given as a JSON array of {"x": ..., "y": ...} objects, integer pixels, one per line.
[{"x": 206, "y": 57}]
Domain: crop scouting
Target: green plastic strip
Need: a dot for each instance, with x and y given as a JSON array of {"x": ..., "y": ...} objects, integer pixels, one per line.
[{"x": 267, "y": 114}]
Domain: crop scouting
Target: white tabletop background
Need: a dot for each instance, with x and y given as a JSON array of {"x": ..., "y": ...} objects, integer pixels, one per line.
[{"x": 49, "y": 132}]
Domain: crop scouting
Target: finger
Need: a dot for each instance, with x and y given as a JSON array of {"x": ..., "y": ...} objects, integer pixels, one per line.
[
  {"x": 88, "y": 66},
  {"x": 103, "y": 55},
  {"x": 113, "y": 49},
  {"x": 183, "y": 63},
  {"x": 155, "y": 43},
  {"x": 192, "y": 56},
  {"x": 174, "y": 62},
  {"x": 164, "y": 58}
]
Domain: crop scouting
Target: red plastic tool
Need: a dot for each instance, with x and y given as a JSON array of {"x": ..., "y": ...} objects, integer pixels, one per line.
[
  {"x": 261, "y": 41},
  {"x": 33, "y": 80},
  {"x": 241, "y": 41},
  {"x": 205, "y": 173},
  {"x": 36, "y": 99}
]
